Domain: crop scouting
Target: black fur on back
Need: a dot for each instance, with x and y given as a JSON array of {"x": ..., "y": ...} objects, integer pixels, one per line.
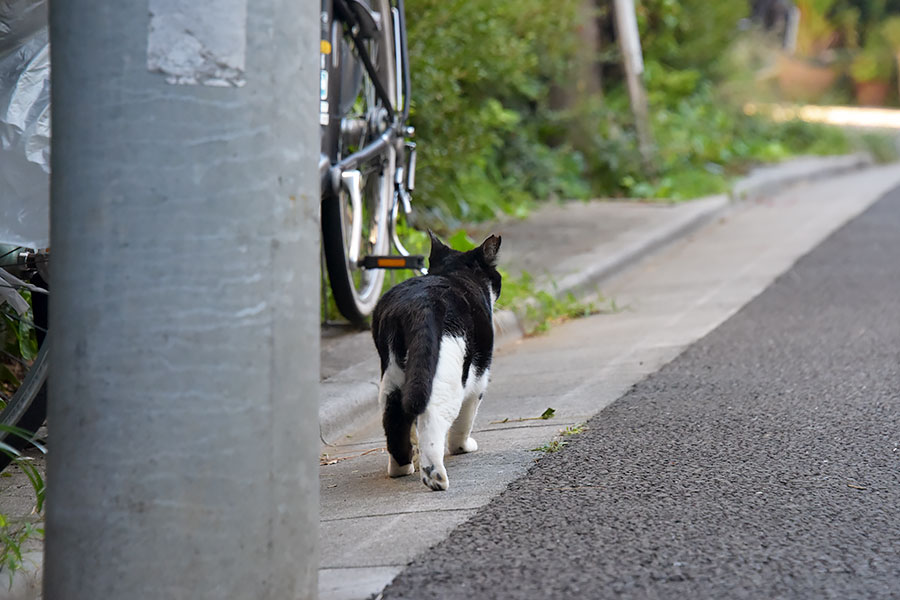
[{"x": 454, "y": 298}]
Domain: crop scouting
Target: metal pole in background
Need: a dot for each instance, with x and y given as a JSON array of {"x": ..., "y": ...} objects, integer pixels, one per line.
[
  {"x": 633, "y": 63},
  {"x": 184, "y": 309}
]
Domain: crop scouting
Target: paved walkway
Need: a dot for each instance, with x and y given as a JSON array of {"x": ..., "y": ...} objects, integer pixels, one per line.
[
  {"x": 763, "y": 462},
  {"x": 372, "y": 527},
  {"x": 567, "y": 247}
]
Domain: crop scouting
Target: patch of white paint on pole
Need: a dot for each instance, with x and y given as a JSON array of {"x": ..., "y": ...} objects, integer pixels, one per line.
[
  {"x": 633, "y": 63},
  {"x": 198, "y": 43}
]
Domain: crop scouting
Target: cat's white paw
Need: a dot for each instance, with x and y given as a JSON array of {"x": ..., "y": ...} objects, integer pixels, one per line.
[
  {"x": 470, "y": 445},
  {"x": 395, "y": 470},
  {"x": 435, "y": 478}
]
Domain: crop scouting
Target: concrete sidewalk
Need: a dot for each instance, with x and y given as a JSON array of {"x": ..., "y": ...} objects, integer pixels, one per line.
[
  {"x": 762, "y": 462},
  {"x": 567, "y": 247},
  {"x": 719, "y": 256}
]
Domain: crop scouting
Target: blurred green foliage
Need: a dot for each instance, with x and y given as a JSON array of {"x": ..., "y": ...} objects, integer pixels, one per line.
[
  {"x": 687, "y": 34},
  {"x": 493, "y": 142}
]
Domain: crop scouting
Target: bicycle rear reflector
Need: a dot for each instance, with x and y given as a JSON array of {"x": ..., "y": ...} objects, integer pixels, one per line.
[{"x": 393, "y": 262}]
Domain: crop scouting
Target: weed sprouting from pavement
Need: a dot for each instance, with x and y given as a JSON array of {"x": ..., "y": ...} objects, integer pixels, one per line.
[
  {"x": 557, "y": 445},
  {"x": 14, "y": 532},
  {"x": 574, "y": 429},
  {"x": 551, "y": 446},
  {"x": 539, "y": 309}
]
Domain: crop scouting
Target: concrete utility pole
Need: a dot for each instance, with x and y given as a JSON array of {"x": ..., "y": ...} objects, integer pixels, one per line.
[
  {"x": 633, "y": 63},
  {"x": 184, "y": 277}
]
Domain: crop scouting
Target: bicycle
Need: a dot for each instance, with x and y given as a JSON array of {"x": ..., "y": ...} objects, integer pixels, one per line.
[
  {"x": 23, "y": 371},
  {"x": 367, "y": 170},
  {"x": 367, "y": 161},
  {"x": 24, "y": 163}
]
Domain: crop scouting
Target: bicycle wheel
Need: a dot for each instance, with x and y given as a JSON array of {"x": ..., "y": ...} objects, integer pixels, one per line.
[
  {"x": 24, "y": 365},
  {"x": 355, "y": 218}
]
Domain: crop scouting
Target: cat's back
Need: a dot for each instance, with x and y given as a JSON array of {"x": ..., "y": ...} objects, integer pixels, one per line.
[
  {"x": 448, "y": 296},
  {"x": 414, "y": 296}
]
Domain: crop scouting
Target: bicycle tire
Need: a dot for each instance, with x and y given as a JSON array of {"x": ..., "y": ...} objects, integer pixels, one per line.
[
  {"x": 27, "y": 408},
  {"x": 356, "y": 290}
]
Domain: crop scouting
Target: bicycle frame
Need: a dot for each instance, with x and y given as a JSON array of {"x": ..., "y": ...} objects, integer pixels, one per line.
[
  {"x": 335, "y": 15},
  {"x": 330, "y": 174}
]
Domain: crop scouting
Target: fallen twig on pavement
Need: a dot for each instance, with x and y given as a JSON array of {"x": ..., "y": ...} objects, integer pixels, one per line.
[
  {"x": 547, "y": 414},
  {"x": 324, "y": 460}
]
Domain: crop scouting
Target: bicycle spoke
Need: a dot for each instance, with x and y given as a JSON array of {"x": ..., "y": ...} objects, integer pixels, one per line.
[
  {"x": 17, "y": 249},
  {"x": 26, "y": 322}
]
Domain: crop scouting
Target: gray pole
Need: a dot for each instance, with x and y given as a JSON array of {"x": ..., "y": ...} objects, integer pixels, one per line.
[
  {"x": 633, "y": 63},
  {"x": 184, "y": 309}
]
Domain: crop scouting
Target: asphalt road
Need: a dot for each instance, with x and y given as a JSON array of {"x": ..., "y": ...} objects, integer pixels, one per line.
[{"x": 764, "y": 462}]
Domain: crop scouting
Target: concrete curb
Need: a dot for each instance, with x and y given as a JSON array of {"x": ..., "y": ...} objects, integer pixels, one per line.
[
  {"x": 758, "y": 184},
  {"x": 694, "y": 215},
  {"x": 772, "y": 179},
  {"x": 352, "y": 405}
]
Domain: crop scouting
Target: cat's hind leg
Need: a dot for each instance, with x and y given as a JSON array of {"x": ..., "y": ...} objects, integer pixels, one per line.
[
  {"x": 397, "y": 423},
  {"x": 442, "y": 409},
  {"x": 460, "y": 440},
  {"x": 432, "y": 430}
]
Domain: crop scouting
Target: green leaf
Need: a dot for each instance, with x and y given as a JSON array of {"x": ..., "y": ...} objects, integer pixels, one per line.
[
  {"x": 28, "y": 347},
  {"x": 461, "y": 241},
  {"x": 17, "y": 431},
  {"x": 548, "y": 414},
  {"x": 9, "y": 450}
]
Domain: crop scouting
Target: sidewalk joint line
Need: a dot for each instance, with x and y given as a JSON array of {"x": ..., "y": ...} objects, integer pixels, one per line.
[
  {"x": 394, "y": 566},
  {"x": 399, "y": 513}
]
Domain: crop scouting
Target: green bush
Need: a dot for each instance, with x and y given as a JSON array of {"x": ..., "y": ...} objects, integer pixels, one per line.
[
  {"x": 481, "y": 72},
  {"x": 874, "y": 63},
  {"x": 702, "y": 140},
  {"x": 491, "y": 142}
]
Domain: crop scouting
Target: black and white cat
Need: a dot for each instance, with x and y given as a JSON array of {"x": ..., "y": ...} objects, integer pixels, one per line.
[{"x": 435, "y": 338}]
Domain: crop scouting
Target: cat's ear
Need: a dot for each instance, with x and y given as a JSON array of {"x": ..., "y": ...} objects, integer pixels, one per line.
[
  {"x": 489, "y": 249},
  {"x": 439, "y": 250}
]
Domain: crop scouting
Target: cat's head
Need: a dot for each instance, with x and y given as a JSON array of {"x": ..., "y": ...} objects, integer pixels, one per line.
[{"x": 481, "y": 261}]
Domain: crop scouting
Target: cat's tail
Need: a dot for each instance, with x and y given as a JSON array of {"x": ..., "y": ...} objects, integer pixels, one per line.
[{"x": 423, "y": 341}]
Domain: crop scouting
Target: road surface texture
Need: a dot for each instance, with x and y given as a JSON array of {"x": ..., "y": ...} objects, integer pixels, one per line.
[{"x": 763, "y": 462}]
